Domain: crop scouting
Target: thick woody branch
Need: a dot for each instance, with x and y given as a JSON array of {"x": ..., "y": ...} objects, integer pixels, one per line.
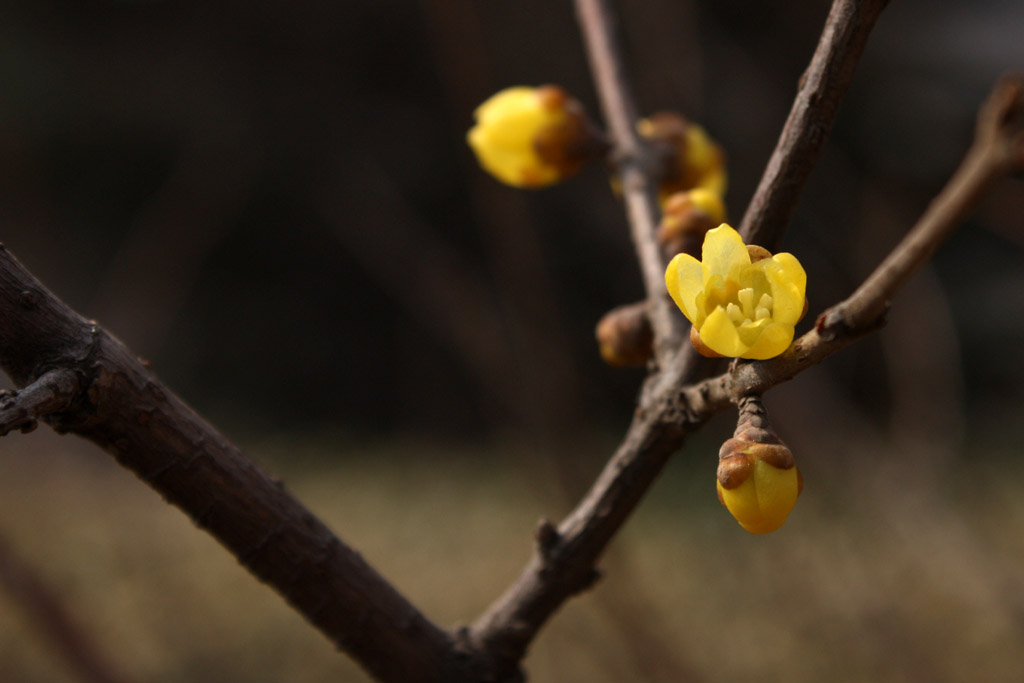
[
  {"x": 814, "y": 109},
  {"x": 635, "y": 165},
  {"x": 564, "y": 562},
  {"x": 82, "y": 380}
]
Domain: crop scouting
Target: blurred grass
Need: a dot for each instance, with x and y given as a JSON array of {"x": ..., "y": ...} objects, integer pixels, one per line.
[{"x": 879, "y": 574}]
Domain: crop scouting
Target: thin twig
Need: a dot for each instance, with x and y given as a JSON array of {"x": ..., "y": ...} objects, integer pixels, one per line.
[
  {"x": 49, "y": 394},
  {"x": 634, "y": 162},
  {"x": 814, "y": 109},
  {"x": 998, "y": 149}
]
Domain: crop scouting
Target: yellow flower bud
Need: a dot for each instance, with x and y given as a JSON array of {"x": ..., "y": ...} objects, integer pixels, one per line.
[
  {"x": 765, "y": 497},
  {"x": 741, "y": 307},
  {"x": 533, "y": 137},
  {"x": 686, "y": 218},
  {"x": 758, "y": 480},
  {"x": 624, "y": 336},
  {"x": 703, "y": 162},
  {"x": 694, "y": 160}
]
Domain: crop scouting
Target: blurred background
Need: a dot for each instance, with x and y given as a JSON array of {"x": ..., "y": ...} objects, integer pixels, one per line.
[{"x": 275, "y": 205}]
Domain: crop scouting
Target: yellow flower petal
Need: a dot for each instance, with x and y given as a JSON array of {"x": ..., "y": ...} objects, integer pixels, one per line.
[
  {"x": 701, "y": 152},
  {"x": 788, "y": 284},
  {"x": 705, "y": 159},
  {"x": 724, "y": 253},
  {"x": 683, "y": 278},
  {"x": 714, "y": 181},
  {"x": 750, "y": 333},
  {"x": 753, "y": 277},
  {"x": 773, "y": 340},
  {"x": 708, "y": 201},
  {"x": 720, "y": 335}
]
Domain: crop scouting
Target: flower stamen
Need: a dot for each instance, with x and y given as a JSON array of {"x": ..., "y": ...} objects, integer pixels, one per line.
[{"x": 746, "y": 297}]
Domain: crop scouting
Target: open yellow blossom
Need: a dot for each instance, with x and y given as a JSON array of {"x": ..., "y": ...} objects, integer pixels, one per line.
[
  {"x": 764, "y": 500},
  {"x": 533, "y": 137},
  {"x": 739, "y": 308}
]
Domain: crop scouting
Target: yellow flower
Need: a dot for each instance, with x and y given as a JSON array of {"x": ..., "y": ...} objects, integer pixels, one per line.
[
  {"x": 764, "y": 500},
  {"x": 739, "y": 308},
  {"x": 686, "y": 217},
  {"x": 708, "y": 201},
  {"x": 704, "y": 161},
  {"x": 533, "y": 137},
  {"x": 697, "y": 161}
]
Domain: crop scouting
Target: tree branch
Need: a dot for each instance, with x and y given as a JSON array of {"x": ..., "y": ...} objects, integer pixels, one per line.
[
  {"x": 635, "y": 164},
  {"x": 563, "y": 563},
  {"x": 814, "y": 109},
  {"x": 51, "y": 393},
  {"x": 997, "y": 150},
  {"x": 82, "y": 380}
]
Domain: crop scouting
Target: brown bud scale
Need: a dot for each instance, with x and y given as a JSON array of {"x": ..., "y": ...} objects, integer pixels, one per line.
[
  {"x": 573, "y": 143},
  {"x": 552, "y": 97},
  {"x": 757, "y": 253},
  {"x": 734, "y": 469},
  {"x": 753, "y": 440},
  {"x": 777, "y": 455},
  {"x": 702, "y": 348}
]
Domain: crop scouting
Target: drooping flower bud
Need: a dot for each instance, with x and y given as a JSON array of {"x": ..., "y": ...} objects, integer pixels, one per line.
[
  {"x": 534, "y": 137},
  {"x": 686, "y": 218},
  {"x": 624, "y": 336},
  {"x": 693, "y": 160},
  {"x": 758, "y": 480}
]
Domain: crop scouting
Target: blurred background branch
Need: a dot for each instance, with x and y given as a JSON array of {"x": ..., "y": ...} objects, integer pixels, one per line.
[{"x": 44, "y": 606}]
